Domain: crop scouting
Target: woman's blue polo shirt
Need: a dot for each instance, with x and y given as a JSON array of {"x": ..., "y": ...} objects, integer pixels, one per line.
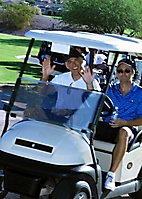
[{"x": 129, "y": 105}]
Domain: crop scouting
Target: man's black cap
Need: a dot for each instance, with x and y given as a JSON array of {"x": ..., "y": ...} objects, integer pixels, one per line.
[
  {"x": 73, "y": 53},
  {"x": 128, "y": 62},
  {"x": 83, "y": 49}
]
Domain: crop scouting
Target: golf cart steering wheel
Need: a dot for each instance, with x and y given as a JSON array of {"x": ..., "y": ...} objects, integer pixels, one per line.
[{"x": 108, "y": 107}]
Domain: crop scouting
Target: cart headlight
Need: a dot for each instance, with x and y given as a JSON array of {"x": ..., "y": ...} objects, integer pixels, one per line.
[{"x": 129, "y": 165}]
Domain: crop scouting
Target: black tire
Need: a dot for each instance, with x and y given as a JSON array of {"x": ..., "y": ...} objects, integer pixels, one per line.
[
  {"x": 136, "y": 195},
  {"x": 3, "y": 192},
  {"x": 72, "y": 189}
]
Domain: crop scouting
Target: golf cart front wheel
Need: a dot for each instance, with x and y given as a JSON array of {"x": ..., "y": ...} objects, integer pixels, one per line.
[
  {"x": 72, "y": 189},
  {"x": 3, "y": 194}
]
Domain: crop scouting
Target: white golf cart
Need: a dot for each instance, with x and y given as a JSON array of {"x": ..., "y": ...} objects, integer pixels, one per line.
[{"x": 46, "y": 155}]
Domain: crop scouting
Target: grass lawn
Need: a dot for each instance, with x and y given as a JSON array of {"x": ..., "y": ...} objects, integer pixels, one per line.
[
  {"x": 10, "y": 47},
  {"x": 54, "y": 17}
]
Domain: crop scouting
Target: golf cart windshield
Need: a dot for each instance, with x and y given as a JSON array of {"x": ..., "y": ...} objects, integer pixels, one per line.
[{"x": 52, "y": 103}]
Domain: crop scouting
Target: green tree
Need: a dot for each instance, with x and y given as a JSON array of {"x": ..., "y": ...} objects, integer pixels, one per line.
[
  {"x": 0, "y": 2},
  {"x": 104, "y": 15},
  {"x": 17, "y": 16}
]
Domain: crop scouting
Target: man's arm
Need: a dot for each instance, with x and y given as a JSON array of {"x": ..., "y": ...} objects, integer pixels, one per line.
[
  {"x": 120, "y": 122},
  {"x": 46, "y": 72},
  {"x": 135, "y": 122},
  {"x": 47, "y": 69},
  {"x": 88, "y": 77}
]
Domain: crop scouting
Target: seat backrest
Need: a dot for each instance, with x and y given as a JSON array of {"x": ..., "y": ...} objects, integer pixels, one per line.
[{"x": 136, "y": 142}]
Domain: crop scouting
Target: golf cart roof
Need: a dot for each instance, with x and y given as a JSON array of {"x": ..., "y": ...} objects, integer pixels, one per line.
[
  {"x": 84, "y": 39},
  {"x": 126, "y": 38}
]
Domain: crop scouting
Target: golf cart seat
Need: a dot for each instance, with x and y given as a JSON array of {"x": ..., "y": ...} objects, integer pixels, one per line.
[
  {"x": 137, "y": 141},
  {"x": 129, "y": 167}
]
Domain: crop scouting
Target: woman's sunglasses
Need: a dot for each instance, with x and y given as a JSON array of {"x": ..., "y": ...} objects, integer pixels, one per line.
[{"x": 124, "y": 71}]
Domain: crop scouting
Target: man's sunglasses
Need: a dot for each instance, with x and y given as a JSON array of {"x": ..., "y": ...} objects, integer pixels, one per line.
[{"x": 124, "y": 71}]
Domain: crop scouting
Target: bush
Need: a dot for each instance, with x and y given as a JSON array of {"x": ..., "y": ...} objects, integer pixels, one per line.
[
  {"x": 38, "y": 10},
  {"x": 17, "y": 16}
]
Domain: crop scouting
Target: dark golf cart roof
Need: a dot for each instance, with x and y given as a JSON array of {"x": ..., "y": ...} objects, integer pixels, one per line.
[{"x": 90, "y": 40}]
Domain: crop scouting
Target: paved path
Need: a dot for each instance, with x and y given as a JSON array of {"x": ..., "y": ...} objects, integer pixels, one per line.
[
  {"x": 5, "y": 93},
  {"x": 15, "y": 196}
]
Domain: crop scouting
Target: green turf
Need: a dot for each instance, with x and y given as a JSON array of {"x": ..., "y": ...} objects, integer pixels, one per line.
[
  {"x": 10, "y": 47},
  {"x": 54, "y": 17}
]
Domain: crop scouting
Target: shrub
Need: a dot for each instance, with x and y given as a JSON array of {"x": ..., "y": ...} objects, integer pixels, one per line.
[
  {"x": 38, "y": 10},
  {"x": 17, "y": 16}
]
